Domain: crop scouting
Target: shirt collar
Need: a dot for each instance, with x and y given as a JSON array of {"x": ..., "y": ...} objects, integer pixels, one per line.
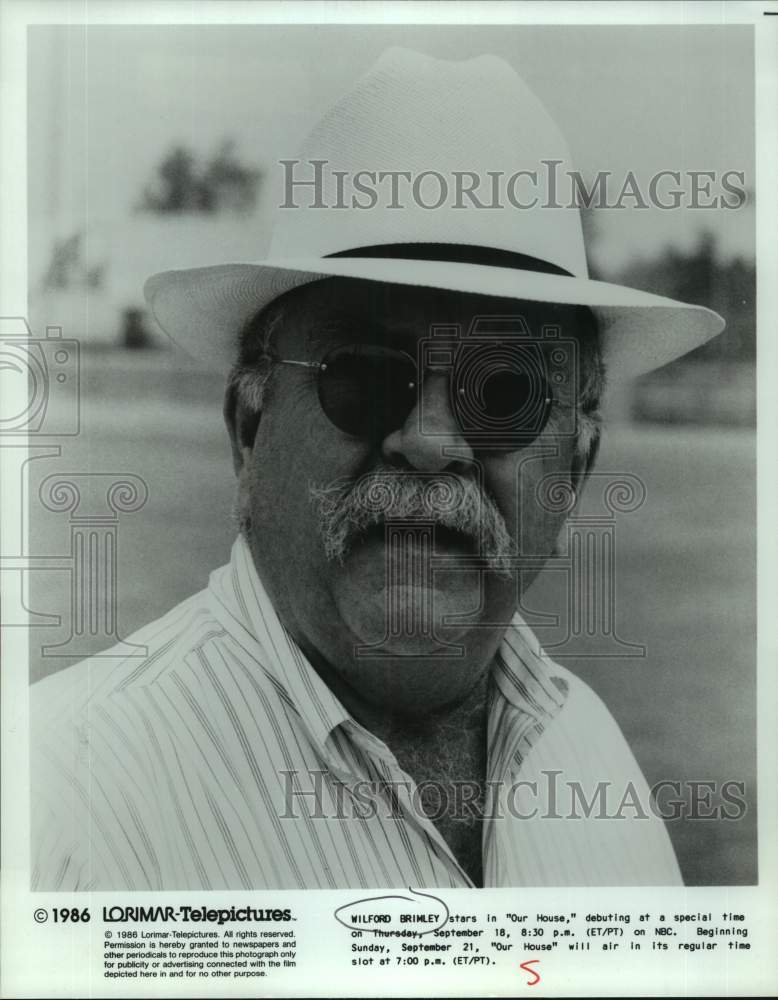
[
  {"x": 522, "y": 672},
  {"x": 239, "y": 591},
  {"x": 525, "y": 675}
]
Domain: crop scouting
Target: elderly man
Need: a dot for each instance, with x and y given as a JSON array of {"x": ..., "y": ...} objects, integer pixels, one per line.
[{"x": 354, "y": 700}]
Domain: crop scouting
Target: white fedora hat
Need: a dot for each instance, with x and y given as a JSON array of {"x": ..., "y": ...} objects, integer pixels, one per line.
[{"x": 417, "y": 117}]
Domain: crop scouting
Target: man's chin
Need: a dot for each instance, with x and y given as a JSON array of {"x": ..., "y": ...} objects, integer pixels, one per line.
[{"x": 395, "y": 600}]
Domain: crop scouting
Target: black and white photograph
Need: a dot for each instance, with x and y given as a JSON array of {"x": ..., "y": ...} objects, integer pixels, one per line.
[{"x": 381, "y": 456}]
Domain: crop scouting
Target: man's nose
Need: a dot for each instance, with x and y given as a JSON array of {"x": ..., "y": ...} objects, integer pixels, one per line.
[{"x": 430, "y": 438}]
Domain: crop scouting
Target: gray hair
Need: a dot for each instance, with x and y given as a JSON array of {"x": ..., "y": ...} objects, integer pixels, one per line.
[{"x": 249, "y": 378}]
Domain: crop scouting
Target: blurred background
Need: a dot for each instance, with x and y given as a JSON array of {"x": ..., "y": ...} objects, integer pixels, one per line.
[{"x": 157, "y": 147}]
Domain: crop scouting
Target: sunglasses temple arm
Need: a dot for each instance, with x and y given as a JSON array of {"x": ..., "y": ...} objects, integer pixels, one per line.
[{"x": 301, "y": 364}]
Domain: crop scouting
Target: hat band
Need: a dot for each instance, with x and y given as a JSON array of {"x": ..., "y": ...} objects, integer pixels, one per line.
[{"x": 456, "y": 253}]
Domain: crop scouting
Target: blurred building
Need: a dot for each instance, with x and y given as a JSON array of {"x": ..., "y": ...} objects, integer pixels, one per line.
[{"x": 88, "y": 281}]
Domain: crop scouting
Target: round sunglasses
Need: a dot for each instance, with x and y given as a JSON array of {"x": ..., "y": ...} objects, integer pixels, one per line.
[{"x": 499, "y": 393}]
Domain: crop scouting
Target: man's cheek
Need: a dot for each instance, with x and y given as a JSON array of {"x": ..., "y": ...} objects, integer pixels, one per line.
[{"x": 530, "y": 502}]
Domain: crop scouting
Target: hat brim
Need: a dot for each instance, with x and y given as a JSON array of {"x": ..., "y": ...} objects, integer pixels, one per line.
[{"x": 203, "y": 309}]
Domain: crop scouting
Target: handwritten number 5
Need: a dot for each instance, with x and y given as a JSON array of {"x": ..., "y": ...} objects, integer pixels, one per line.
[{"x": 536, "y": 980}]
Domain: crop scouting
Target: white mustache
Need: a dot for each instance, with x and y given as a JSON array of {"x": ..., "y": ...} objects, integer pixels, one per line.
[{"x": 348, "y": 507}]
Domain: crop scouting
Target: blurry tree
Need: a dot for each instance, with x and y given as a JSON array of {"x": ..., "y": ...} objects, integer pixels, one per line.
[
  {"x": 67, "y": 267},
  {"x": 65, "y": 263},
  {"x": 175, "y": 189},
  {"x": 227, "y": 184},
  {"x": 94, "y": 276},
  {"x": 181, "y": 185},
  {"x": 134, "y": 333}
]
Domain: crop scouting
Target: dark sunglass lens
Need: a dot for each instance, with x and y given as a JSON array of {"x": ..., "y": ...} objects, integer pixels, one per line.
[
  {"x": 501, "y": 394},
  {"x": 366, "y": 390}
]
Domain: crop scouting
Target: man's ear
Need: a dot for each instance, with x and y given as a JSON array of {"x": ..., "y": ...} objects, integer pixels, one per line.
[
  {"x": 583, "y": 462},
  {"x": 242, "y": 425}
]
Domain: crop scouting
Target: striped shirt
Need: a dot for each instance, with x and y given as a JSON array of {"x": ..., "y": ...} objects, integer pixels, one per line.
[{"x": 221, "y": 760}]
